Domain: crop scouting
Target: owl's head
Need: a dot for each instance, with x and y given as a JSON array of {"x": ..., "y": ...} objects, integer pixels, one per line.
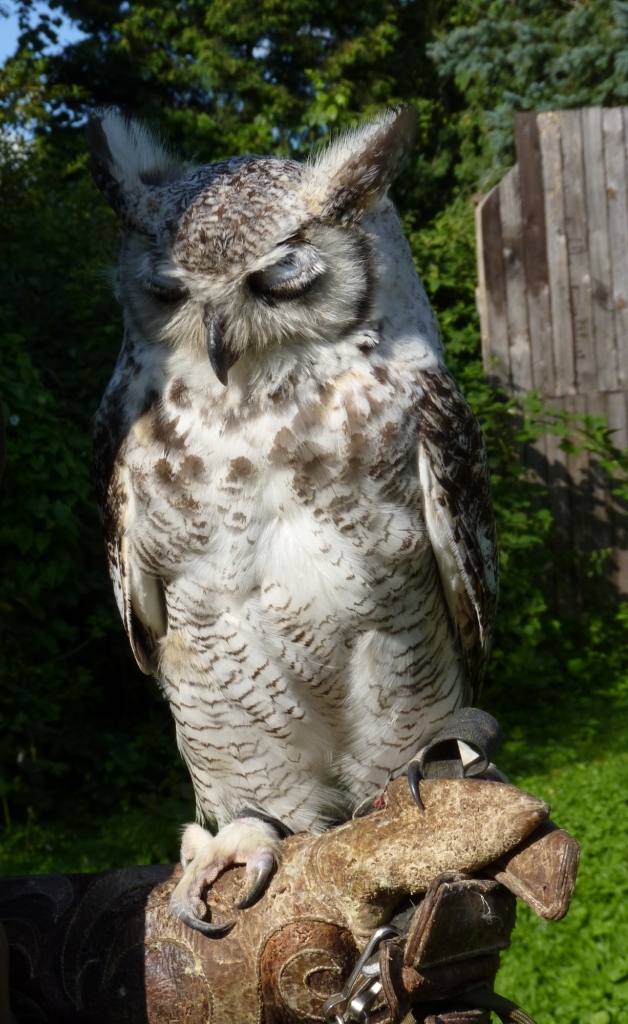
[{"x": 249, "y": 252}]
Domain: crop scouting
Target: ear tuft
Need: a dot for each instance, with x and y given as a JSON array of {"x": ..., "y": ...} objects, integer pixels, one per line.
[
  {"x": 356, "y": 169},
  {"x": 127, "y": 159}
]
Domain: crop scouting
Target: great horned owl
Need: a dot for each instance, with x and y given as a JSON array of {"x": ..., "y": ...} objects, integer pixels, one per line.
[{"x": 295, "y": 494}]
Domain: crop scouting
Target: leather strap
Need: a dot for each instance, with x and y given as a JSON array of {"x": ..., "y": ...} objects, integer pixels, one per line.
[
  {"x": 282, "y": 830},
  {"x": 441, "y": 759},
  {"x": 506, "y": 1010}
]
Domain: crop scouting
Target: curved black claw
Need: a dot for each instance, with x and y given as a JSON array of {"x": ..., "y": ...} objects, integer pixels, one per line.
[
  {"x": 414, "y": 777},
  {"x": 260, "y": 871},
  {"x": 461, "y": 750},
  {"x": 212, "y": 931}
]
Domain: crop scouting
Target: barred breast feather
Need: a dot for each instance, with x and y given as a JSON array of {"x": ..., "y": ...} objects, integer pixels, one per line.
[{"x": 312, "y": 580}]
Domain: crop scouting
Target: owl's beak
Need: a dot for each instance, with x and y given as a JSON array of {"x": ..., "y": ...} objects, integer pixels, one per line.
[{"x": 220, "y": 357}]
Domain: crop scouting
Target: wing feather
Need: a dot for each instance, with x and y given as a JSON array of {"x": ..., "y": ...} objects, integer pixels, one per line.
[
  {"x": 454, "y": 475},
  {"x": 140, "y": 597}
]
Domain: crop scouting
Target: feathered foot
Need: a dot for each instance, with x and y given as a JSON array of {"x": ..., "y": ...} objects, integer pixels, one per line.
[{"x": 248, "y": 841}]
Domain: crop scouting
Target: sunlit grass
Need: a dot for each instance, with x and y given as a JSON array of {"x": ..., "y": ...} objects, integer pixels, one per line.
[{"x": 577, "y": 969}]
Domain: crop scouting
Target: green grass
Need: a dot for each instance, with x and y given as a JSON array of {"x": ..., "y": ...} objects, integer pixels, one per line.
[
  {"x": 148, "y": 834},
  {"x": 577, "y": 969}
]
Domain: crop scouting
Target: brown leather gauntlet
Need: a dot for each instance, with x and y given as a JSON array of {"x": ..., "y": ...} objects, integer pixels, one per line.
[{"x": 104, "y": 948}]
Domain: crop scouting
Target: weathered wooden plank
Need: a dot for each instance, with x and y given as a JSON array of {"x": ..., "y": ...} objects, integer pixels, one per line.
[
  {"x": 558, "y": 479},
  {"x": 622, "y": 534},
  {"x": 599, "y": 251},
  {"x": 580, "y": 485},
  {"x": 601, "y": 496},
  {"x": 535, "y": 250},
  {"x": 560, "y": 499},
  {"x": 617, "y": 418},
  {"x": 534, "y": 458},
  {"x": 617, "y": 198},
  {"x": 621, "y": 573},
  {"x": 480, "y": 292},
  {"x": 622, "y": 339},
  {"x": 557, "y": 259},
  {"x": 578, "y": 251},
  {"x": 497, "y": 358},
  {"x": 516, "y": 305}
]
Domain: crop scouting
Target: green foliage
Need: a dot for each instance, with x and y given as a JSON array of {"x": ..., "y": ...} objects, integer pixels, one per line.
[
  {"x": 235, "y": 77},
  {"x": 529, "y": 55},
  {"x": 592, "y": 434}
]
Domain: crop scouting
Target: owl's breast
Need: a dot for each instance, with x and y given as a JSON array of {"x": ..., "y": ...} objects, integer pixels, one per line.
[{"x": 324, "y": 490}]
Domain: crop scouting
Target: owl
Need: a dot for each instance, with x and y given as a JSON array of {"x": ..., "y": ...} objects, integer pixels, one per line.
[{"x": 295, "y": 494}]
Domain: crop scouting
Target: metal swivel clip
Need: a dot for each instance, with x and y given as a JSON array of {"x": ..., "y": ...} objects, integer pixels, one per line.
[{"x": 355, "y": 1001}]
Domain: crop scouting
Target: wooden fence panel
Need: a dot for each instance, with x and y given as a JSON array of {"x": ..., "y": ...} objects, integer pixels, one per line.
[
  {"x": 518, "y": 331},
  {"x": 557, "y": 257},
  {"x": 493, "y": 284},
  {"x": 599, "y": 249},
  {"x": 553, "y": 298},
  {"x": 615, "y": 160},
  {"x": 576, "y": 225},
  {"x": 535, "y": 251}
]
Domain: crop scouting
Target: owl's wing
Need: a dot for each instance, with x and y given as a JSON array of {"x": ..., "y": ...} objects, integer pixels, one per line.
[
  {"x": 453, "y": 471},
  {"x": 140, "y": 597}
]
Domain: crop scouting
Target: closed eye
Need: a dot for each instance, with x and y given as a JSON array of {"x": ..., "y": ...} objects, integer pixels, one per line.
[
  {"x": 292, "y": 276},
  {"x": 165, "y": 289}
]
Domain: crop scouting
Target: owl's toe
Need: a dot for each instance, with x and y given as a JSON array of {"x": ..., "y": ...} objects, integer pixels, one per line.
[
  {"x": 259, "y": 868},
  {"x": 247, "y": 841}
]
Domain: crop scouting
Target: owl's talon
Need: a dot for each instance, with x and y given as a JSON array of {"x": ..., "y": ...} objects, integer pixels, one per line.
[
  {"x": 414, "y": 776},
  {"x": 212, "y": 931},
  {"x": 189, "y": 908},
  {"x": 259, "y": 870},
  {"x": 248, "y": 841}
]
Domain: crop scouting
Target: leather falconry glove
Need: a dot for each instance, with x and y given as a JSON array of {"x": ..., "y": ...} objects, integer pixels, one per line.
[{"x": 396, "y": 915}]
